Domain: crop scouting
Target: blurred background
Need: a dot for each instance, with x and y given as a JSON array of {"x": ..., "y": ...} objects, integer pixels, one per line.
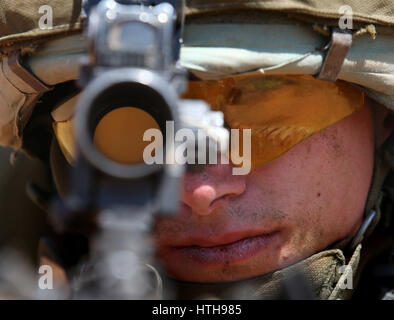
[{"x": 22, "y": 222}]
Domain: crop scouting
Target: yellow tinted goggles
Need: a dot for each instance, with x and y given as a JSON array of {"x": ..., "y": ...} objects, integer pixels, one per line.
[{"x": 281, "y": 112}]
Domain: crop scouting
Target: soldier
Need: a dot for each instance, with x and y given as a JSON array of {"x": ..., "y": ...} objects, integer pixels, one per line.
[{"x": 315, "y": 84}]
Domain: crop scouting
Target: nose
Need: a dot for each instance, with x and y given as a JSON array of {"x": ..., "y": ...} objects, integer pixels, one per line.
[{"x": 201, "y": 190}]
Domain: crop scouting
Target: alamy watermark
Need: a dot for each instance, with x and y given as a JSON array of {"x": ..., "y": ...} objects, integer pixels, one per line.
[
  {"x": 346, "y": 20},
  {"x": 346, "y": 279},
  {"x": 46, "y": 20},
  {"x": 45, "y": 281},
  {"x": 181, "y": 148}
]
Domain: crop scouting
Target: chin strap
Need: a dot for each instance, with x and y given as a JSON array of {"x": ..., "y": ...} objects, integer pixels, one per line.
[
  {"x": 368, "y": 225},
  {"x": 384, "y": 164}
]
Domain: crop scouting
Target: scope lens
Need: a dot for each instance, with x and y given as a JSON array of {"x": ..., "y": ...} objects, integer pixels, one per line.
[{"x": 119, "y": 134}]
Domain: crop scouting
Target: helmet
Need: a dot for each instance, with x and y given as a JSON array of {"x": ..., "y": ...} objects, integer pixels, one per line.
[{"x": 219, "y": 41}]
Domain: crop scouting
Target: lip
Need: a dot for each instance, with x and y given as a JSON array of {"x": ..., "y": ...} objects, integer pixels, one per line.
[{"x": 228, "y": 250}]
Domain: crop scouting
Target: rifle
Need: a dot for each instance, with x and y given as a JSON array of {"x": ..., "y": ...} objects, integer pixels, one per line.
[{"x": 132, "y": 60}]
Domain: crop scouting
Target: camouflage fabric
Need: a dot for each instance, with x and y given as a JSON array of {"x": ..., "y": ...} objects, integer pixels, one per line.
[
  {"x": 19, "y": 21},
  {"x": 372, "y": 11}
]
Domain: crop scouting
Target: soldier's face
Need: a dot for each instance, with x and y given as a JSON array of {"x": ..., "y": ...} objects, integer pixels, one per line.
[{"x": 235, "y": 227}]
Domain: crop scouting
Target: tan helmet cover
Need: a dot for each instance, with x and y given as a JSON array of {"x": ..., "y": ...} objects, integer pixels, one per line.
[{"x": 221, "y": 38}]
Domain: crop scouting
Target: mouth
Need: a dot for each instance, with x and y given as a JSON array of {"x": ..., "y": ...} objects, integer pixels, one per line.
[{"x": 211, "y": 255}]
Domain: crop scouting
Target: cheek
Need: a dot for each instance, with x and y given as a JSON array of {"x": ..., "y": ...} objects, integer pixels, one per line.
[{"x": 323, "y": 182}]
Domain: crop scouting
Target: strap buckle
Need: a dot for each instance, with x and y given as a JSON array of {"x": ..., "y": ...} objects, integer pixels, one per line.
[
  {"x": 21, "y": 78},
  {"x": 341, "y": 41}
]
